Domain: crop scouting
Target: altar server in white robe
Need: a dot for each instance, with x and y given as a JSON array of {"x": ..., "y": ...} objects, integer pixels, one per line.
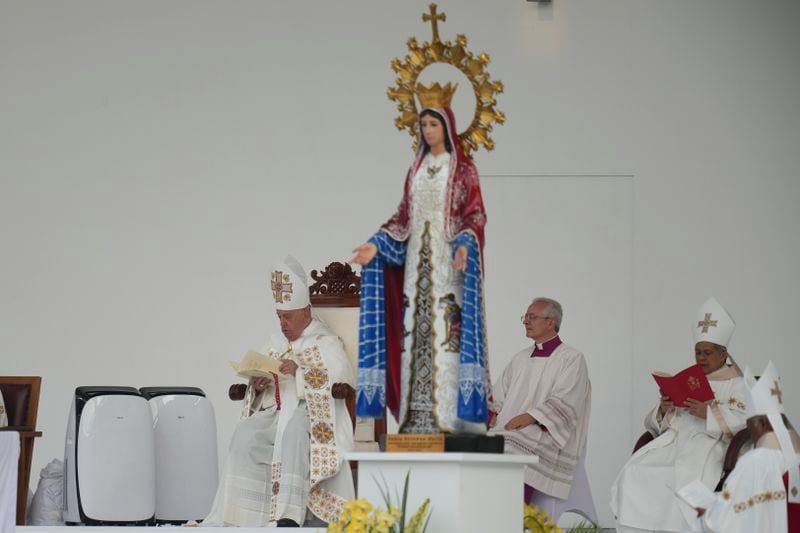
[
  {"x": 690, "y": 442},
  {"x": 543, "y": 402},
  {"x": 287, "y": 453},
  {"x": 754, "y": 497}
]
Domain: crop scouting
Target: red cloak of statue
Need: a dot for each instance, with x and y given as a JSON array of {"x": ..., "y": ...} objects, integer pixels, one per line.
[{"x": 465, "y": 214}]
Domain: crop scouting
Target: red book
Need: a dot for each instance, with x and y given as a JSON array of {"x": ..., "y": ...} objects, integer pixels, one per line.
[{"x": 688, "y": 383}]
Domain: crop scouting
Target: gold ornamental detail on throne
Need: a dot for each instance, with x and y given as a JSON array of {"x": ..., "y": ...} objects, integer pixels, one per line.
[{"x": 453, "y": 53}]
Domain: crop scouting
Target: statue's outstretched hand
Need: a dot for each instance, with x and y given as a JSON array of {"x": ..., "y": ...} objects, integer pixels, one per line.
[
  {"x": 460, "y": 260},
  {"x": 364, "y": 254}
]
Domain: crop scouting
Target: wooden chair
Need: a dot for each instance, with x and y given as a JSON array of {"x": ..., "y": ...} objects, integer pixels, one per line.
[
  {"x": 643, "y": 439},
  {"x": 21, "y": 397},
  {"x": 732, "y": 454}
]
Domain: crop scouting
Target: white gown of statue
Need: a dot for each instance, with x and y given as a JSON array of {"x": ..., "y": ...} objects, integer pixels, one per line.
[{"x": 433, "y": 295}]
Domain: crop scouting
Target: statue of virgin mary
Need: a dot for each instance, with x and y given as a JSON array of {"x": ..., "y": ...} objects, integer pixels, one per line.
[{"x": 422, "y": 339}]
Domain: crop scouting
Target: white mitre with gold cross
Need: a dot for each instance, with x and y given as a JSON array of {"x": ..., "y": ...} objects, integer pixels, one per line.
[
  {"x": 713, "y": 324},
  {"x": 289, "y": 285},
  {"x": 765, "y": 397}
]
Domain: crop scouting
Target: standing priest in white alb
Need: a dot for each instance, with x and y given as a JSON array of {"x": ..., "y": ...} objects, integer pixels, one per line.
[
  {"x": 754, "y": 497},
  {"x": 543, "y": 401},
  {"x": 690, "y": 442},
  {"x": 287, "y": 453}
]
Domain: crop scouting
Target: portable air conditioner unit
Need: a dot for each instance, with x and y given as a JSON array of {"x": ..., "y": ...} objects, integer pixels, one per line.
[
  {"x": 186, "y": 452},
  {"x": 109, "y": 457}
]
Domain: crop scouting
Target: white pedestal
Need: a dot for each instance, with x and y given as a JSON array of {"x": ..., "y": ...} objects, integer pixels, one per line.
[{"x": 469, "y": 492}]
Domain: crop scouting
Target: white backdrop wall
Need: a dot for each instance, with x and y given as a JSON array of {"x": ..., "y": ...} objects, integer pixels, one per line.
[{"x": 156, "y": 157}]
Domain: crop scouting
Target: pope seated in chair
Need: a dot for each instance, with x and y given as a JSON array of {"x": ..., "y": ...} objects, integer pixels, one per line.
[{"x": 286, "y": 457}]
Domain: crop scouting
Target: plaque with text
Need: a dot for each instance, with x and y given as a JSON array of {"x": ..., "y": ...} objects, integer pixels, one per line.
[{"x": 410, "y": 442}]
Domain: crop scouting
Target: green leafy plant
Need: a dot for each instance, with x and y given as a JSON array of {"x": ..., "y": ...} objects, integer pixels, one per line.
[{"x": 585, "y": 527}]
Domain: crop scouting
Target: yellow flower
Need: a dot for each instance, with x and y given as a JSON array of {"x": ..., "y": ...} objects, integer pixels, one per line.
[
  {"x": 359, "y": 518},
  {"x": 384, "y": 517},
  {"x": 536, "y": 520},
  {"x": 381, "y": 521},
  {"x": 349, "y": 505},
  {"x": 355, "y": 527},
  {"x": 395, "y": 512},
  {"x": 363, "y": 505},
  {"x": 335, "y": 527}
]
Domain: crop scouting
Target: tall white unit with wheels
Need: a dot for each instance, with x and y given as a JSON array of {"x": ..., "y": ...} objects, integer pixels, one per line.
[
  {"x": 186, "y": 452},
  {"x": 109, "y": 458}
]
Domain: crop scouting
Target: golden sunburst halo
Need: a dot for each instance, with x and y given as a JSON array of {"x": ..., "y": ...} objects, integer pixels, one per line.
[{"x": 472, "y": 66}]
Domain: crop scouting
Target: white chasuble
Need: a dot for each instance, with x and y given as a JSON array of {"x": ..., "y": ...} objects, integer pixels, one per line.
[
  {"x": 243, "y": 498},
  {"x": 753, "y": 498},
  {"x": 323, "y": 362},
  {"x": 557, "y": 393},
  {"x": 432, "y": 300},
  {"x": 256, "y": 477},
  {"x": 686, "y": 448}
]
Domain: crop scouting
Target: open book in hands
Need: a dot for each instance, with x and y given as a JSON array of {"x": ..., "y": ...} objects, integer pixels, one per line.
[
  {"x": 256, "y": 365},
  {"x": 697, "y": 495},
  {"x": 688, "y": 383}
]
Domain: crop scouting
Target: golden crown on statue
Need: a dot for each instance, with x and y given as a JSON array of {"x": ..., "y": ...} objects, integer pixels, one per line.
[
  {"x": 436, "y": 96},
  {"x": 454, "y": 53}
]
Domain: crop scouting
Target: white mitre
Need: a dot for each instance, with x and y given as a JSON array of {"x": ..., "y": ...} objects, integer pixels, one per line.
[
  {"x": 289, "y": 285},
  {"x": 765, "y": 397},
  {"x": 713, "y": 324}
]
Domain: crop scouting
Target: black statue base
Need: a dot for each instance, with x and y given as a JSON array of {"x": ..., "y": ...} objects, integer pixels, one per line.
[{"x": 465, "y": 442}]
